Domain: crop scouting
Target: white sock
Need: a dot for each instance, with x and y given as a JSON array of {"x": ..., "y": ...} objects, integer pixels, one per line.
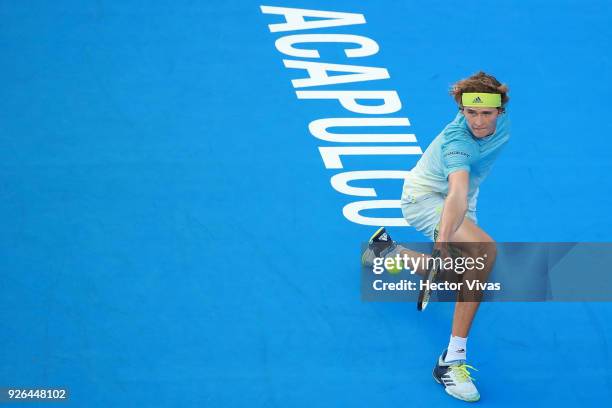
[{"x": 457, "y": 349}]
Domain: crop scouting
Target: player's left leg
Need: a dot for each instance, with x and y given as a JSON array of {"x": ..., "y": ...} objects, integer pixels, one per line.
[
  {"x": 451, "y": 370},
  {"x": 456, "y": 378},
  {"x": 473, "y": 242}
]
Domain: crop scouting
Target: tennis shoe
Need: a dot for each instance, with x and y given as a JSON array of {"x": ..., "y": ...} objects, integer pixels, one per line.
[
  {"x": 456, "y": 379},
  {"x": 380, "y": 245}
]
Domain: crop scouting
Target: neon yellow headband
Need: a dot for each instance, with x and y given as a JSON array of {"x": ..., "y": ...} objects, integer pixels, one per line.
[{"x": 481, "y": 100}]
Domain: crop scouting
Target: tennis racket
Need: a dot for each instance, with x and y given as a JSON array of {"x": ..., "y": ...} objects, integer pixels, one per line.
[{"x": 432, "y": 272}]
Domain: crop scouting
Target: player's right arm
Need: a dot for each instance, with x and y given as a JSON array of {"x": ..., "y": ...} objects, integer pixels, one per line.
[
  {"x": 455, "y": 205},
  {"x": 459, "y": 152}
]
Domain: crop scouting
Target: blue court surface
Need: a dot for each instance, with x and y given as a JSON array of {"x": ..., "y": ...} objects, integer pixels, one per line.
[{"x": 170, "y": 236}]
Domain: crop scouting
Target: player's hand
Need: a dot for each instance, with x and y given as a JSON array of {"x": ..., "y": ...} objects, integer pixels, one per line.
[{"x": 442, "y": 250}]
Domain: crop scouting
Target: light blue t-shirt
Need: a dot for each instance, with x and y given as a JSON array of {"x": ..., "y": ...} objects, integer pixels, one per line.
[{"x": 455, "y": 148}]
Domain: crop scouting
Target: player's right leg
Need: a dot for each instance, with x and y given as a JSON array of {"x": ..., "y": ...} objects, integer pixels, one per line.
[{"x": 381, "y": 245}]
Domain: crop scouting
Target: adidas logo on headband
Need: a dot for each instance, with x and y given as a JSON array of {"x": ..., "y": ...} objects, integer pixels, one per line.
[{"x": 481, "y": 99}]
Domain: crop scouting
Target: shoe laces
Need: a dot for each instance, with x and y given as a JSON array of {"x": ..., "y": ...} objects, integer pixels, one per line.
[{"x": 461, "y": 372}]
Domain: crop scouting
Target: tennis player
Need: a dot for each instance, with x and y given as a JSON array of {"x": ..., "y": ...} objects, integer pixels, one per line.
[{"x": 439, "y": 199}]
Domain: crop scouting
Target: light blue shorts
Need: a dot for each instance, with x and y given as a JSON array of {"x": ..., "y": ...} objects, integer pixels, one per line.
[{"x": 423, "y": 212}]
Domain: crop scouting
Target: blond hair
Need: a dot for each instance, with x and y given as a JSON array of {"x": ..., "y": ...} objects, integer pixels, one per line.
[{"x": 480, "y": 82}]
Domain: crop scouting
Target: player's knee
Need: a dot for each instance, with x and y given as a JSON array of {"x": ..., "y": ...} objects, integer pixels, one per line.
[
  {"x": 485, "y": 248},
  {"x": 488, "y": 248},
  {"x": 484, "y": 253}
]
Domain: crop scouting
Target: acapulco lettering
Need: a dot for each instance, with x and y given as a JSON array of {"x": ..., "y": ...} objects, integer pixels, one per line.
[{"x": 388, "y": 102}]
